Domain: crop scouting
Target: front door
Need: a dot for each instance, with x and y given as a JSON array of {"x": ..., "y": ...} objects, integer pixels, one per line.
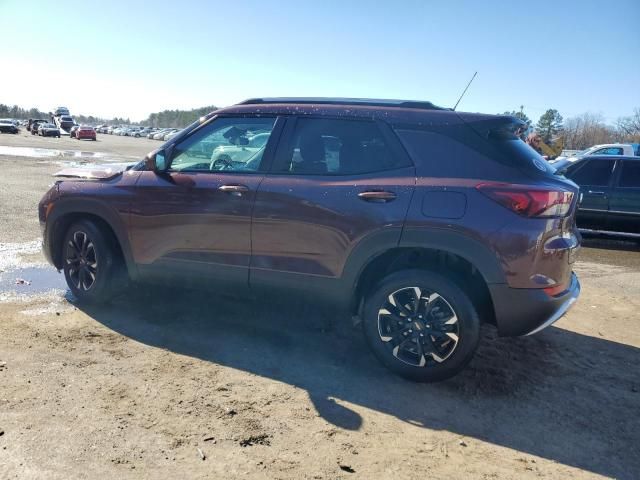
[{"x": 192, "y": 223}]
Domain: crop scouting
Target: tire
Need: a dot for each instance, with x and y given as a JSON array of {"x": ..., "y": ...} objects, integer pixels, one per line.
[
  {"x": 100, "y": 264},
  {"x": 426, "y": 344}
]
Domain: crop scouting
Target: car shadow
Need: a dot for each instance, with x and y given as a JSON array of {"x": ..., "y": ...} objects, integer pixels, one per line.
[{"x": 567, "y": 397}]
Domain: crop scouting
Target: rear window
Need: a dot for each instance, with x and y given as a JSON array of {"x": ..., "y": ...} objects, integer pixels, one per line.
[{"x": 523, "y": 155}]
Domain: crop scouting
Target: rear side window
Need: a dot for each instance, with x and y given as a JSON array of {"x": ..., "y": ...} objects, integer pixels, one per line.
[
  {"x": 593, "y": 172},
  {"x": 337, "y": 147},
  {"x": 609, "y": 151},
  {"x": 630, "y": 174}
]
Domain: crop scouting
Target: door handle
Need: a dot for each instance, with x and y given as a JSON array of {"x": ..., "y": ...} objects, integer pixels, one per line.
[
  {"x": 377, "y": 196},
  {"x": 235, "y": 190},
  {"x": 591, "y": 192}
]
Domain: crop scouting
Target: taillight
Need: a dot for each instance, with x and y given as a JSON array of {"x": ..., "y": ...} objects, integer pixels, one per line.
[{"x": 527, "y": 201}]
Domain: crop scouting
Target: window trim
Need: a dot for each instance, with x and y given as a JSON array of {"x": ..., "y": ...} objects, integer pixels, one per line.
[
  {"x": 286, "y": 138},
  {"x": 267, "y": 157}
]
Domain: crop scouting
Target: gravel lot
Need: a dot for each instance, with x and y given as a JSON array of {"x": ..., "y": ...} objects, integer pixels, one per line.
[{"x": 174, "y": 384}]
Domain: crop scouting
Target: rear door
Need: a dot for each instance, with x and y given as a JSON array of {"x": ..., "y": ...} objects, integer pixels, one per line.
[
  {"x": 624, "y": 205},
  {"x": 594, "y": 177},
  {"x": 334, "y": 184}
]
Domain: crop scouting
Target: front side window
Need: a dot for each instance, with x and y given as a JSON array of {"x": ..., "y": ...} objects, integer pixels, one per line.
[
  {"x": 595, "y": 173},
  {"x": 630, "y": 174},
  {"x": 336, "y": 147},
  {"x": 226, "y": 144}
]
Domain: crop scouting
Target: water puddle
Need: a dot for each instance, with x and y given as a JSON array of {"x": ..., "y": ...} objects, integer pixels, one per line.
[
  {"x": 25, "y": 275},
  {"x": 68, "y": 155},
  {"x": 31, "y": 280}
]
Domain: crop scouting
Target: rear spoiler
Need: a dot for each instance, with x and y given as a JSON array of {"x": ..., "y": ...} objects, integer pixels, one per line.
[{"x": 499, "y": 127}]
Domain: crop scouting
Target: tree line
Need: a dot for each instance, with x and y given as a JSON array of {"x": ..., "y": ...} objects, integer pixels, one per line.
[
  {"x": 166, "y": 118},
  {"x": 176, "y": 118},
  {"x": 581, "y": 131}
]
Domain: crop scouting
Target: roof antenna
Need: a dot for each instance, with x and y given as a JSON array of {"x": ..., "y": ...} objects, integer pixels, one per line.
[{"x": 465, "y": 91}]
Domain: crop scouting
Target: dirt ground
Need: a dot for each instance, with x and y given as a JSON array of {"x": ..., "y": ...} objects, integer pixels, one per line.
[{"x": 174, "y": 384}]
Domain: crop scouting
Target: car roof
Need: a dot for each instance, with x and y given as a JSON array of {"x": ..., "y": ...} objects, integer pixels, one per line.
[
  {"x": 371, "y": 102},
  {"x": 392, "y": 111},
  {"x": 603, "y": 145}
]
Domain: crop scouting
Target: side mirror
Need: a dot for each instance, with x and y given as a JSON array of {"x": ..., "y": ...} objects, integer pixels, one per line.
[{"x": 157, "y": 161}]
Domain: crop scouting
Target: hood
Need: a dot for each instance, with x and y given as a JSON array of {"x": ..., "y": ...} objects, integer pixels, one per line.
[{"x": 94, "y": 172}]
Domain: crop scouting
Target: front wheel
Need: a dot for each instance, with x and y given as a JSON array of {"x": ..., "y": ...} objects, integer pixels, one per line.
[
  {"x": 421, "y": 325},
  {"x": 91, "y": 262}
]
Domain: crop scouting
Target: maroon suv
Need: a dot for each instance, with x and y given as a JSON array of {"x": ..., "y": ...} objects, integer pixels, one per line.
[{"x": 420, "y": 221}]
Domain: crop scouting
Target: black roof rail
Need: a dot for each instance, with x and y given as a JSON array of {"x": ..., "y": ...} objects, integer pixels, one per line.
[{"x": 366, "y": 102}]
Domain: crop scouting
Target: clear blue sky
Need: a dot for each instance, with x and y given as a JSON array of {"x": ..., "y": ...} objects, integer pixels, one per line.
[{"x": 114, "y": 58}]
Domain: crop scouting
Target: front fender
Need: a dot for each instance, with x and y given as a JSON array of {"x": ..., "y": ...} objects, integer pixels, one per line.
[{"x": 67, "y": 210}]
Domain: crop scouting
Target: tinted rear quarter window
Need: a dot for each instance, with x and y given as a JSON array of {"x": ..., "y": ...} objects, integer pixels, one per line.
[
  {"x": 470, "y": 156},
  {"x": 630, "y": 174},
  {"x": 592, "y": 172}
]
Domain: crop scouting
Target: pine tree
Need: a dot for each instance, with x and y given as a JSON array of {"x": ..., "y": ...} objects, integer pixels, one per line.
[{"x": 549, "y": 125}]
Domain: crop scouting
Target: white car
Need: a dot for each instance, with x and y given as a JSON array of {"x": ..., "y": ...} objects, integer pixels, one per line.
[
  {"x": 241, "y": 153},
  {"x": 605, "y": 149}
]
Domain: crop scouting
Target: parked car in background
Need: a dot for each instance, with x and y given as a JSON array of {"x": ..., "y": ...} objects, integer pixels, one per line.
[
  {"x": 8, "y": 127},
  {"x": 609, "y": 199},
  {"x": 66, "y": 122},
  {"x": 48, "y": 130},
  {"x": 171, "y": 134},
  {"x": 85, "y": 132},
  {"x": 605, "y": 149},
  {"x": 160, "y": 135},
  {"x": 241, "y": 152},
  {"x": 32, "y": 124},
  {"x": 349, "y": 204},
  {"x": 142, "y": 132},
  {"x": 72, "y": 132}
]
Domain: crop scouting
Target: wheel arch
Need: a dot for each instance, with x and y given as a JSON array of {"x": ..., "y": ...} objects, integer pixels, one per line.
[
  {"x": 67, "y": 212},
  {"x": 470, "y": 264}
]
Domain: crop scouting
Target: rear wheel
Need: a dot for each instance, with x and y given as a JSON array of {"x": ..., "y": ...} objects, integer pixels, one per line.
[
  {"x": 421, "y": 325},
  {"x": 90, "y": 262}
]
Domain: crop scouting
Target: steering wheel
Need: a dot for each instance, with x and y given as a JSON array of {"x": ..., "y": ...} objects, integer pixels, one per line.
[{"x": 221, "y": 163}]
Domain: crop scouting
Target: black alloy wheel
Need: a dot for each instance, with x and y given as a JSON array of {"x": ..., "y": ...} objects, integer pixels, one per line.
[
  {"x": 92, "y": 263},
  {"x": 421, "y": 325},
  {"x": 82, "y": 261}
]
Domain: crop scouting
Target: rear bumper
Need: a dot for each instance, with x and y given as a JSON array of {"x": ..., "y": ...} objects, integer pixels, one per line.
[{"x": 521, "y": 311}]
